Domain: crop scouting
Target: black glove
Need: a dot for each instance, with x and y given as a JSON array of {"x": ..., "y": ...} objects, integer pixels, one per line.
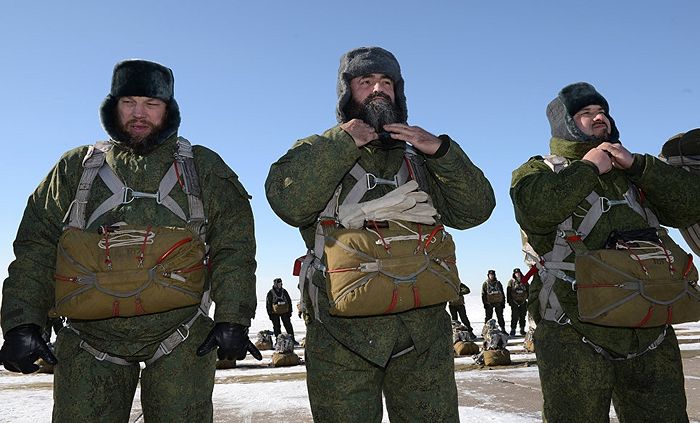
[
  {"x": 23, "y": 346},
  {"x": 232, "y": 340}
]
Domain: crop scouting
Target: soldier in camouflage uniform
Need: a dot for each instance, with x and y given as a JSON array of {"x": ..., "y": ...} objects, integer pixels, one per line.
[
  {"x": 582, "y": 366},
  {"x": 408, "y": 356},
  {"x": 518, "y": 306},
  {"x": 490, "y": 288},
  {"x": 142, "y": 118}
]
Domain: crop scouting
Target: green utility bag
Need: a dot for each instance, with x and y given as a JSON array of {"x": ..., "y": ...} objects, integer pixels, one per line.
[
  {"x": 644, "y": 284},
  {"x": 128, "y": 271},
  {"x": 389, "y": 267}
]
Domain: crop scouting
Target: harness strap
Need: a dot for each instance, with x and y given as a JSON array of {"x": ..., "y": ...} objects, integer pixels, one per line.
[
  {"x": 182, "y": 171},
  {"x": 602, "y": 351},
  {"x": 164, "y": 348},
  {"x": 92, "y": 162}
]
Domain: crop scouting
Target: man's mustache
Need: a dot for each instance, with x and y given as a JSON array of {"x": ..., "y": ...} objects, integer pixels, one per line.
[{"x": 376, "y": 95}]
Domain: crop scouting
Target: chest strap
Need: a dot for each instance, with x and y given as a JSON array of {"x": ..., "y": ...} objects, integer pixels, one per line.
[{"x": 181, "y": 171}]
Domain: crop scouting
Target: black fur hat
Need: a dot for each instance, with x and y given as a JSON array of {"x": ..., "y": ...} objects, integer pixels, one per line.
[
  {"x": 141, "y": 78},
  {"x": 570, "y": 100},
  {"x": 364, "y": 61}
]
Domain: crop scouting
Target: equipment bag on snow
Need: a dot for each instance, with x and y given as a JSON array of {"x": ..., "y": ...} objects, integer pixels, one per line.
[
  {"x": 465, "y": 348},
  {"x": 645, "y": 279},
  {"x": 389, "y": 267},
  {"x": 128, "y": 271},
  {"x": 496, "y": 357}
]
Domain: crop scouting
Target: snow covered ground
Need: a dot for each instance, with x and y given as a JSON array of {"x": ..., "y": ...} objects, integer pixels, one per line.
[{"x": 257, "y": 392}]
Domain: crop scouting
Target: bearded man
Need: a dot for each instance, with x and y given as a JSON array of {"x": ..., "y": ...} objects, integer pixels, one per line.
[
  {"x": 129, "y": 241},
  {"x": 401, "y": 351}
]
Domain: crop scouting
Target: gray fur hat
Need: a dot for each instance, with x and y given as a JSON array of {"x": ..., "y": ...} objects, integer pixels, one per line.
[
  {"x": 363, "y": 61},
  {"x": 568, "y": 102},
  {"x": 141, "y": 78}
]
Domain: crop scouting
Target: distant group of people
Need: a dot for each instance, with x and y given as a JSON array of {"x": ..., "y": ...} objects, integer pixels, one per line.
[
  {"x": 129, "y": 241},
  {"x": 494, "y": 298}
]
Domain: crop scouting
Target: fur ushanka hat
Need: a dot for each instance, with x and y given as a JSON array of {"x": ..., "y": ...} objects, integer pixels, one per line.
[
  {"x": 570, "y": 100},
  {"x": 364, "y": 61},
  {"x": 141, "y": 78}
]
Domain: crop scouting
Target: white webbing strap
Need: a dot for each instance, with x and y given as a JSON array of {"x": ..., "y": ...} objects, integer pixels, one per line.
[{"x": 92, "y": 162}]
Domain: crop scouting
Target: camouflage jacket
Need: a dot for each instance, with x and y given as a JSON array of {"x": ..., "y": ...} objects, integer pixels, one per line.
[
  {"x": 28, "y": 292},
  {"x": 542, "y": 199},
  {"x": 301, "y": 183}
]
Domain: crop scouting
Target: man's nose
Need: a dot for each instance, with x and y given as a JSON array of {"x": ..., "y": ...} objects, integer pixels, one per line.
[{"x": 139, "y": 110}]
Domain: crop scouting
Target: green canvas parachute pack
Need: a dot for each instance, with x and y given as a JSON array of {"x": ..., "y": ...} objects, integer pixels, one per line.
[
  {"x": 641, "y": 279},
  {"x": 382, "y": 256},
  {"x": 122, "y": 270}
]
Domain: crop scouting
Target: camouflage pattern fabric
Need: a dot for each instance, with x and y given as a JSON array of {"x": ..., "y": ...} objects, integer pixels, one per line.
[
  {"x": 28, "y": 291},
  {"x": 578, "y": 383},
  {"x": 312, "y": 170},
  {"x": 176, "y": 388},
  {"x": 542, "y": 199},
  {"x": 418, "y": 387}
]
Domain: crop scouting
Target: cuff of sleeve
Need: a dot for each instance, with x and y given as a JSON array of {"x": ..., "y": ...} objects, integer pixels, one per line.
[
  {"x": 444, "y": 147},
  {"x": 637, "y": 167},
  {"x": 591, "y": 165}
]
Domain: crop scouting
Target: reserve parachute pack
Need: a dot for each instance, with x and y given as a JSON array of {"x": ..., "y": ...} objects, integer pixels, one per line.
[
  {"x": 683, "y": 150},
  {"x": 641, "y": 279},
  {"x": 280, "y": 304},
  {"x": 122, "y": 270},
  {"x": 519, "y": 292},
  {"x": 494, "y": 295},
  {"x": 382, "y": 256}
]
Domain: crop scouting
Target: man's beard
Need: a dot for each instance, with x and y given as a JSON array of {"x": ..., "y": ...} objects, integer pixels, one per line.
[
  {"x": 375, "y": 113},
  {"x": 140, "y": 144}
]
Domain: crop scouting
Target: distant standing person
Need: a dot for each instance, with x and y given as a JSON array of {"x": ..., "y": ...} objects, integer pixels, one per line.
[
  {"x": 279, "y": 306},
  {"x": 516, "y": 294},
  {"x": 494, "y": 298},
  {"x": 458, "y": 309}
]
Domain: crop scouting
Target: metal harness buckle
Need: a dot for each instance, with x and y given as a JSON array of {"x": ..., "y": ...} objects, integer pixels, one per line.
[
  {"x": 130, "y": 195},
  {"x": 373, "y": 181},
  {"x": 606, "y": 203}
]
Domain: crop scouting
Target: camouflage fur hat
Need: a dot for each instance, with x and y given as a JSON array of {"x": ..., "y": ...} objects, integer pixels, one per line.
[
  {"x": 142, "y": 78},
  {"x": 363, "y": 61},
  {"x": 568, "y": 102}
]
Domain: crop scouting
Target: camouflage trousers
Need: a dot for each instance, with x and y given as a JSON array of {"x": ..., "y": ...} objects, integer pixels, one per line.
[
  {"x": 344, "y": 387},
  {"x": 175, "y": 388},
  {"x": 579, "y": 384}
]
